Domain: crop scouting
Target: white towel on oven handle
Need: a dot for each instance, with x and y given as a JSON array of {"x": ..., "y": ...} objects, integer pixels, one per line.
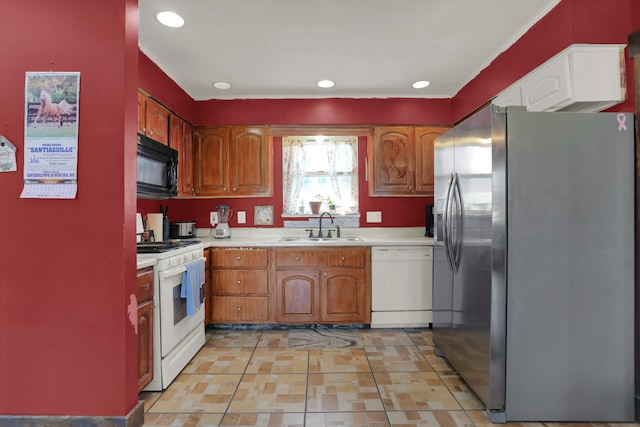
[{"x": 192, "y": 281}]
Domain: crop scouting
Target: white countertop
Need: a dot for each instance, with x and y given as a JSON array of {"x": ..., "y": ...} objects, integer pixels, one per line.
[
  {"x": 146, "y": 262},
  {"x": 404, "y": 236},
  {"x": 264, "y": 237}
]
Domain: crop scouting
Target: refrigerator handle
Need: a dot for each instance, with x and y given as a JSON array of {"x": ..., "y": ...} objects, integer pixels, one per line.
[
  {"x": 446, "y": 222},
  {"x": 457, "y": 245}
]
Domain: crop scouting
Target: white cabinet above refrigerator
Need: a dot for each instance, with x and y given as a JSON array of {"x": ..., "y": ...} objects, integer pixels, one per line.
[{"x": 581, "y": 78}]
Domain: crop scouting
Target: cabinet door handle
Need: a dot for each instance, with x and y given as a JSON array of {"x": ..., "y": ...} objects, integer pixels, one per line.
[
  {"x": 324, "y": 273},
  {"x": 297, "y": 258},
  {"x": 238, "y": 309},
  {"x": 238, "y": 257},
  {"x": 342, "y": 258},
  {"x": 315, "y": 274},
  {"x": 238, "y": 282},
  {"x": 235, "y": 189}
]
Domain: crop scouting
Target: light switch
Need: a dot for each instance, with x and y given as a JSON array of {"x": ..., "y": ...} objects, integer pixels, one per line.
[
  {"x": 374, "y": 216},
  {"x": 242, "y": 217}
]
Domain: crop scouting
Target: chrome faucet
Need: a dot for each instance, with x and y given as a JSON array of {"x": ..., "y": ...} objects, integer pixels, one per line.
[{"x": 320, "y": 223}]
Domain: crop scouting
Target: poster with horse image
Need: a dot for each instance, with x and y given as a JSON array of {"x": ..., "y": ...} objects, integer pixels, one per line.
[
  {"x": 51, "y": 108},
  {"x": 51, "y": 135}
]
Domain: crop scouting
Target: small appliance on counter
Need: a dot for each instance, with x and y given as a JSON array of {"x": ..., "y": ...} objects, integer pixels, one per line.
[
  {"x": 222, "y": 230},
  {"x": 182, "y": 230}
]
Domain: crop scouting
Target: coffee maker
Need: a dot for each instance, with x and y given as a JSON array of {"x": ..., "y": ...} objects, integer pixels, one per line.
[{"x": 222, "y": 230}]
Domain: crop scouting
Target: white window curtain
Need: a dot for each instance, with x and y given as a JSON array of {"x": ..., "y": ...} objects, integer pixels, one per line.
[
  {"x": 294, "y": 159},
  {"x": 343, "y": 167}
]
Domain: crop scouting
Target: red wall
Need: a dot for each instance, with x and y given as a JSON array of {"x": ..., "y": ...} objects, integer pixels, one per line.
[
  {"x": 330, "y": 111},
  {"x": 155, "y": 82},
  {"x": 572, "y": 21},
  {"x": 396, "y": 211},
  {"x": 67, "y": 267}
]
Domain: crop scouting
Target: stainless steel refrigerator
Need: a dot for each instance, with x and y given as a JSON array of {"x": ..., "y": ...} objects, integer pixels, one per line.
[{"x": 533, "y": 275}]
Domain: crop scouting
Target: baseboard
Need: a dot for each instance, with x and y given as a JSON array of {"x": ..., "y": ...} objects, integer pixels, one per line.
[{"x": 135, "y": 418}]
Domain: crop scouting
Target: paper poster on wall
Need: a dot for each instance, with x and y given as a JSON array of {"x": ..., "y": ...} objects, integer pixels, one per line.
[
  {"x": 7, "y": 155},
  {"x": 51, "y": 135}
]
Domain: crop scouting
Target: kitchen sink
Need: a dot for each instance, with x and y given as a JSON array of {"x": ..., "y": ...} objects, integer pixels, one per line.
[{"x": 321, "y": 239}]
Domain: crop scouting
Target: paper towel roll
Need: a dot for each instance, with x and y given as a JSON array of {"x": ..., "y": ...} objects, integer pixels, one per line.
[
  {"x": 139, "y": 227},
  {"x": 154, "y": 222}
]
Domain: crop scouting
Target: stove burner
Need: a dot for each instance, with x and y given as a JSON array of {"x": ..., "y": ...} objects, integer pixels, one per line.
[{"x": 157, "y": 247}]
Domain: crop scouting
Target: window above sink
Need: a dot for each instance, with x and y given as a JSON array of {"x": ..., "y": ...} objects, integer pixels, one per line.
[{"x": 320, "y": 167}]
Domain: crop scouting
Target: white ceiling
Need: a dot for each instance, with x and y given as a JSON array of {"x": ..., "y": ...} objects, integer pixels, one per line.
[{"x": 370, "y": 48}]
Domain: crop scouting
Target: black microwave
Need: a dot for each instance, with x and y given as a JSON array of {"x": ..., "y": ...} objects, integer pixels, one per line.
[{"x": 157, "y": 170}]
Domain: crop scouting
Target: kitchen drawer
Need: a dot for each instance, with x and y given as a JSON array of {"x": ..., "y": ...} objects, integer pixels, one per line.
[
  {"x": 239, "y": 258},
  {"x": 145, "y": 284},
  {"x": 343, "y": 257},
  {"x": 240, "y": 282},
  {"x": 240, "y": 309},
  {"x": 296, "y": 258},
  {"x": 330, "y": 257}
]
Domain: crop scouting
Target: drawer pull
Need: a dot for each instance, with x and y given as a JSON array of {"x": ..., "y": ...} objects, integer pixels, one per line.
[
  {"x": 146, "y": 285},
  {"x": 238, "y": 257},
  {"x": 315, "y": 274},
  {"x": 342, "y": 258},
  {"x": 297, "y": 258},
  {"x": 325, "y": 273},
  {"x": 238, "y": 281},
  {"x": 238, "y": 309}
]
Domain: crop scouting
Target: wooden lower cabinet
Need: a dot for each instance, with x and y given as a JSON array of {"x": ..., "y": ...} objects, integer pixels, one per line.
[
  {"x": 145, "y": 326},
  {"x": 325, "y": 285},
  {"x": 240, "y": 291},
  {"x": 342, "y": 295},
  {"x": 298, "y": 296}
]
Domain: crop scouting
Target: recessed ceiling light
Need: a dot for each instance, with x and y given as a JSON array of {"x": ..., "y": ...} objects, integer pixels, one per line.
[
  {"x": 222, "y": 85},
  {"x": 170, "y": 19},
  {"x": 421, "y": 84},
  {"x": 325, "y": 83}
]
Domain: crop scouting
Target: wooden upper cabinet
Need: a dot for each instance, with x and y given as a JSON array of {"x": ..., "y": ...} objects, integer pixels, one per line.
[
  {"x": 424, "y": 138},
  {"x": 250, "y": 159},
  {"x": 181, "y": 140},
  {"x": 211, "y": 161},
  {"x": 401, "y": 161},
  {"x": 142, "y": 112},
  {"x": 393, "y": 161},
  {"x": 153, "y": 119},
  {"x": 186, "y": 170},
  {"x": 233, "y": 161}
]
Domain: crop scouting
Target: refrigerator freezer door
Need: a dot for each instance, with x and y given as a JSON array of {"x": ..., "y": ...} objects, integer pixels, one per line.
[
  {"x": 442, "y": 267},
  {"x": 472, "y": 282}
]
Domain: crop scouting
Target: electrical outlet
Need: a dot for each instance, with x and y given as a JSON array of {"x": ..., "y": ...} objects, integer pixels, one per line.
[
  {"x": 242, "y": 217},
  {"x": 375, "y": 216},
  {"x": 213, "y": 218}
]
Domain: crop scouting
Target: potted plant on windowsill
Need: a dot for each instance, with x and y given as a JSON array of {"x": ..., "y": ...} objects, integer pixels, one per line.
[
  {"x": 315, "y": 206},
  {"x": 327, "y": 202}
]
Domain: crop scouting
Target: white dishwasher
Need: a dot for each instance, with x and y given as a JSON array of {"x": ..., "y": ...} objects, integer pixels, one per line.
[{"x": 401, "y": 286}]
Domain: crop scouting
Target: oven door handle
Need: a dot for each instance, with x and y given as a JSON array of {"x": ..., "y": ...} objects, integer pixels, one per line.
[
  {"x": 172, "y": 272},
  {"x": 176, "y": 270}
]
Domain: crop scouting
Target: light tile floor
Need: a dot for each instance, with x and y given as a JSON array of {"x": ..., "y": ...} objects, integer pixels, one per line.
[{"x": 390, "y": 377}]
